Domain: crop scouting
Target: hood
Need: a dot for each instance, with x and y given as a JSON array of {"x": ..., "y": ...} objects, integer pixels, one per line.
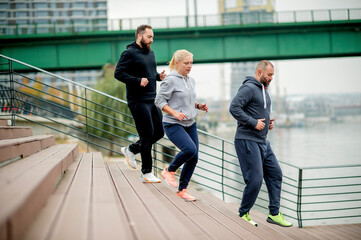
[
  {"x": 253, "y": 80},
  {"x": 176, "y": 74},
  {"x": 136, "y": 46},
  {"x": 133, "y": 45}
]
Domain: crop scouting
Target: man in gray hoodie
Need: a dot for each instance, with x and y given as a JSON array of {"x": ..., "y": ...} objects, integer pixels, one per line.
[{"x": 251, "y": 108}]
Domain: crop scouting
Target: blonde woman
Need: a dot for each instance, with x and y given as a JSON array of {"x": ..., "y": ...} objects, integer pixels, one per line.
[{"x": 177, "y": 99}]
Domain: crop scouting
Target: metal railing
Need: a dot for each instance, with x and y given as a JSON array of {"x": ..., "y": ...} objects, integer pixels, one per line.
[
  {"x": 230, "y": 18},
  {"x": 310, "y": 196}
]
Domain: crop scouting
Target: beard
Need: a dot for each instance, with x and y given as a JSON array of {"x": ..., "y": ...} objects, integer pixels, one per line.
[
  {"x": 146, "y": 47},
  {"x": 264, "y": 81}
]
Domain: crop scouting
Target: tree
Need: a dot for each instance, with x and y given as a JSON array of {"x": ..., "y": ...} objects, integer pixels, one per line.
[{"x": 104, "y": 118}]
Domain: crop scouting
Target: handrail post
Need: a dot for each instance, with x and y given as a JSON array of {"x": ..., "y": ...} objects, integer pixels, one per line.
[
  {"x": 195, "y": 13},
  {"x": 223, "y": 170},
  {"x": 155, "y": 159},
  {"x": 86, "y": 122},
  {"x": 295, "y": 16},
  {"x": 12, "y": 88},
  {"x": 299, "y": 198}
]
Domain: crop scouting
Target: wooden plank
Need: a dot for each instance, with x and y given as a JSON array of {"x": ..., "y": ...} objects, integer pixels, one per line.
[
  {"x": 10, "y": 132},
  {"x": 22, "y": 150},
  {"x": 140, "y": 220},
  {"x": 190, "y": 210},
  {"x": 17, "y": 141},
  {"x": 152, "y": 199},
  {"x": 42, "y": 225},
  {"x": 11, "y": 148},
  {"x": 11, "y": 172},
  {"x": 262, "y": 231},
  {"x": 208, "y": 225},
  {"x": 73, "y": 219},
  {"x": 3, "y": 122},
  {"x": 162, "y": 192},
  {"x": 313, "y": 231},
  {"x": 288, "y": 231},
  {"x": 25, "y": 196},
  {"x": 233, "y": 225},
  {"x": 341, "y": 229},
  {"x": 108, "y": 216},
  {"x": 331, "y": 232},
  {"x": 353, "y": 229}
]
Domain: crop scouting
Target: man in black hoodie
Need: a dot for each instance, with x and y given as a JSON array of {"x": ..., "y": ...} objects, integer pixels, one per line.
[
  {"x": 137, "y": 68},
  {"x": 251, "y": 107}
]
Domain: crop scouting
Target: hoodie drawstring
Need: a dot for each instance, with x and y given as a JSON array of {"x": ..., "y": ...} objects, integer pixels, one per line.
[{"x": 264, "y": 97}]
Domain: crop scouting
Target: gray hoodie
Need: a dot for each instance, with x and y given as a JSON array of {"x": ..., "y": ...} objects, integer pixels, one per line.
[
  {"x": 251, "y": 103},
  {"x": 179, "y": 93}
]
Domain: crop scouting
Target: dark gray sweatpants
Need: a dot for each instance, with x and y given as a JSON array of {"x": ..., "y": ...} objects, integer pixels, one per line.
[{"x": 258, "y": 162}]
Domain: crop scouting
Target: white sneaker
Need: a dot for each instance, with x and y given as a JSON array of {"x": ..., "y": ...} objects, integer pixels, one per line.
[
  {"x": 149, "y": 178},
  {"x": 130, "y": 157}
]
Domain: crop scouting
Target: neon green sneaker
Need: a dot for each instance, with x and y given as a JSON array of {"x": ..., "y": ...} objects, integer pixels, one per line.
[
  {"x": 249, "y": 219},
  {"x": 279, "y": 220}
]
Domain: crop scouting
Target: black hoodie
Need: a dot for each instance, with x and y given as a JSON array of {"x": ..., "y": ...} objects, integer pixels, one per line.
[
  {"x": 134, "y": 64},
  {"x": 251, "y": 103}
]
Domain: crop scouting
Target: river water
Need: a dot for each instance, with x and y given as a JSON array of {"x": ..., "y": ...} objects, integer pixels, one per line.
[{"x": 326, "y": 144}]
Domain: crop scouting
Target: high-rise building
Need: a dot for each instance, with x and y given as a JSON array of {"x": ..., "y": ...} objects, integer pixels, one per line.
[
  {"x": 35, "y": 16},
  {"x": 45, "y": 16},
  {"x": 242, "y": 12}
]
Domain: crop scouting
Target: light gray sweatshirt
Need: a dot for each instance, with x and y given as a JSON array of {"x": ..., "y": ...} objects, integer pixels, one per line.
[{"x": 179, "y": 93}]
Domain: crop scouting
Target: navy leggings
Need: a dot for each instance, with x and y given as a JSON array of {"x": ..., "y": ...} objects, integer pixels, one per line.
[
  {"x": 258, "y": 162},
  {"x": 186, "y": 139}
]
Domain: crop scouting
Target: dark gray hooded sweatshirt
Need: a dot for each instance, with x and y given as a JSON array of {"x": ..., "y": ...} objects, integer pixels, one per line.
[{"x": 251, "y": 103}]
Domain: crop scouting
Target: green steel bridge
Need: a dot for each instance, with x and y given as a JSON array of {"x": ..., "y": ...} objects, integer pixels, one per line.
[{"x": 212, "y": 38}]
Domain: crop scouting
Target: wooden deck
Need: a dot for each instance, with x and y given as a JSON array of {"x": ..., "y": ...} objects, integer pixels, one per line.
[
  {"x": 51, "y": 191},
  {"x": 106, "y": 200}
]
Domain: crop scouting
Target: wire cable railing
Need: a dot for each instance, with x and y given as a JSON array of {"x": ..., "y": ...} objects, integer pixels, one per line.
[
  {"x": 224, "y": 19},
  {"x": 310, "y": 196}
]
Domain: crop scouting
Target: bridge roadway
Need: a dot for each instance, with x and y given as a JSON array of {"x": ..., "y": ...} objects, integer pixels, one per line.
[{"x": 212, "y": 44}]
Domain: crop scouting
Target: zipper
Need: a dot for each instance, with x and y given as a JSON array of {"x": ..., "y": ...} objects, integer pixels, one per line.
[{"x": 190, "y": 95}]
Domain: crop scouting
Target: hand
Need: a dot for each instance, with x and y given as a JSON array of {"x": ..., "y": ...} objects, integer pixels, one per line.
[
  {"x": 203, "y": 107},
  {"x": 260, "y": 124},
  {"x": 162, "y": 75},
  {"x": 271, "y": 124},
  {"x": 144, "y": 82},
  {"x": 180, "y": 116}
]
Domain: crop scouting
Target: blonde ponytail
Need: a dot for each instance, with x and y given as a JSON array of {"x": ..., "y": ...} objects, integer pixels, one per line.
[{"x": 178, "y": 56}]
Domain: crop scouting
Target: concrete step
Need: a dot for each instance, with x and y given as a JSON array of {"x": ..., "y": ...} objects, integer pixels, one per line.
[
  {"x": 26, "y": 185},
  {"x": 23, "y": 147},
  {"x": 9, "y": 132}
]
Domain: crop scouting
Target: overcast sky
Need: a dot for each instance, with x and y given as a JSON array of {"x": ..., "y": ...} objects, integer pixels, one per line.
[{"x": 309, "y": 76}]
